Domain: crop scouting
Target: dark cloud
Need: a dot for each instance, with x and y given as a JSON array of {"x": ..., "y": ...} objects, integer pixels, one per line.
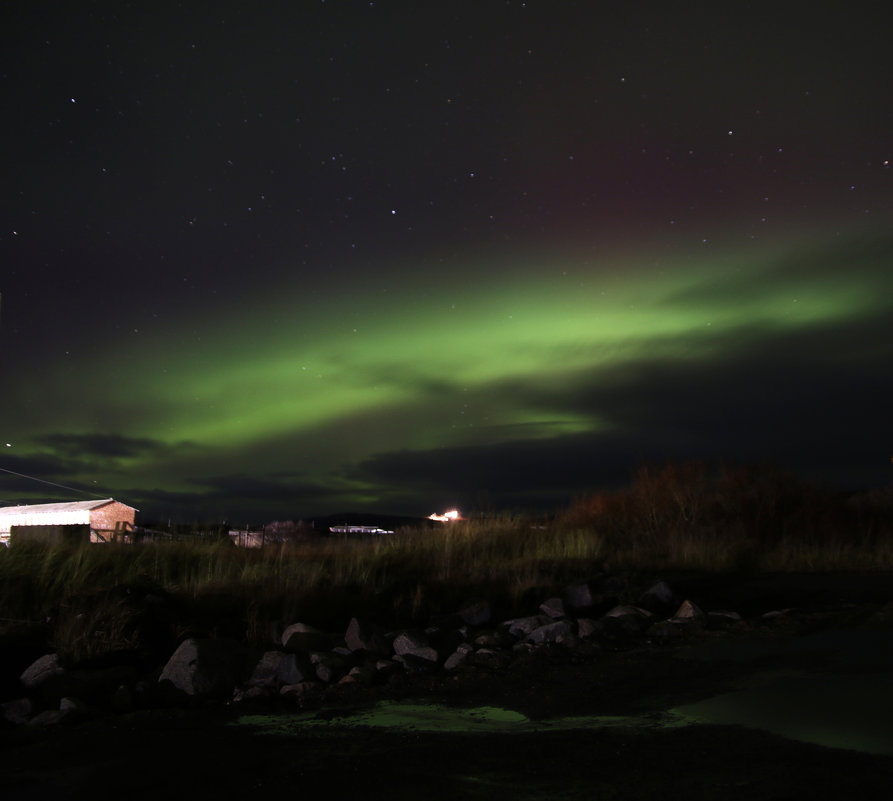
[
  {"x": 111, "y": 446},
  {"x": 242, "y": 498},
  {"x": 816, "y": 400},
  {"x": 527, "y": 473},
  {"x": 276, "y": 488},
  {"x": 34, "y": 479}
]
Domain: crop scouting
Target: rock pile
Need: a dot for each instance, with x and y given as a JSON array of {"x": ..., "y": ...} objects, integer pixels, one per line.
[{"x": 305, "y": 661}]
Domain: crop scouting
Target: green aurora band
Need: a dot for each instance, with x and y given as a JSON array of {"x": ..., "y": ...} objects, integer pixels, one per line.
[{"x": 299, "y": 392}]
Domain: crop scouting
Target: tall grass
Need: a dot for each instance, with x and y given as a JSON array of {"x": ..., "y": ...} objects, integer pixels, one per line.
[{"x": 678, "y": 517}]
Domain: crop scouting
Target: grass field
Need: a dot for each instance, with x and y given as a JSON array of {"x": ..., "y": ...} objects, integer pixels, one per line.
[{"x": 678, "y": 517}]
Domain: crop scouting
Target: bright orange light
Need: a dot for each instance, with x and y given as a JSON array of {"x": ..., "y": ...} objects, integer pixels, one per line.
[{"x": 453, "y": 514}]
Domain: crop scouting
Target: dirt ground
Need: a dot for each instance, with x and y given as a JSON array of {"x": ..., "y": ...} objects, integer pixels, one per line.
[{"x": 180, "y": 753}]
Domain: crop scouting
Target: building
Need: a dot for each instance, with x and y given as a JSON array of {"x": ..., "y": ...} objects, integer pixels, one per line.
[
  {"x": 94, "y": 521},
  {"x": 359, "y": 530}
]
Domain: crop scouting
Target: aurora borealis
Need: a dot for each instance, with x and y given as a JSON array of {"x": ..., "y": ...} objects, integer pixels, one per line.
[{"x": 265, "y": 263}]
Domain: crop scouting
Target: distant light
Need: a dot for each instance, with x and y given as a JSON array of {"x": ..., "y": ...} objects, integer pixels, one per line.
[{"x": 452, "y": 514}]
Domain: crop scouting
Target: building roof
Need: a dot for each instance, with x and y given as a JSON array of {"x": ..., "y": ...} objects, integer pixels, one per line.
[{"x": 64, "y": 506}]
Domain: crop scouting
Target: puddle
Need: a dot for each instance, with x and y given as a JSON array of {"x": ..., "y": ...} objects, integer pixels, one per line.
[
  {"x": 851, "y": 711},
  {"x": 850, "y": 707}
]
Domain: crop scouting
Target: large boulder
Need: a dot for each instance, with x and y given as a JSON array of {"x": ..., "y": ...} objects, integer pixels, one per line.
[
  {"x": 558, "y": 631},
  {"x": 301, "y": 690},
  {"x": 723, "y": 619},
  {"x": 415, "y": 644},
  {"x": 276, "y": 668},
  {"x": 658, "y": 598},
  {"x": 328, "y": 666},
  {"x": 302, "y": 637},
  {"x": 633, "y": 618},
  {"x": 459, "y": 657},
  {"x": 581, "y": 596},
  {"x": 595, "y": 595},
  {"x": 521, "y": 627},
  {"x": 554, "y": 608},
  {"x": 690, "y": 612},
  {"x": 50, "y": 682},
  {"x": 494, "y": 639},
  {"x": 42, "y": 670},
  {"x": 205, "y": 667},
  {"x": 490, "y": 658},
  {"x": 363, "y": 635}
]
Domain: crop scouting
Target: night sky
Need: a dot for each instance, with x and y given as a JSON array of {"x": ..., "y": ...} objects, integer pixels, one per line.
[{"x": 272, "y": 260}]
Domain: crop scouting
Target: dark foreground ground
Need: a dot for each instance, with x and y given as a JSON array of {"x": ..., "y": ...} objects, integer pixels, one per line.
[{"x": 203, "y": 752}]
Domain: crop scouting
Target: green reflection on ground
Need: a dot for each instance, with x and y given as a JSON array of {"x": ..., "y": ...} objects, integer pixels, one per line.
[{"x": 437, "y": 718}]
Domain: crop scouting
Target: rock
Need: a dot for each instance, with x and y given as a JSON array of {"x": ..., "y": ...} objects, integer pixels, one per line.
[
  {"x": 493, "y": 639},
  {"x": 490, "y": 658},
  {"x": 252, "y": 694},
  {"x": 586, "y": 627},
  {"x": 276, "y": 668},
  {"x": 633, "y": 618},
  {"x": 659, "y": 597},
  {"x": 50, "y": 717},
  {"x": 387, "y": 667},
  {"x": 723, "y": 619},
  {"x": 627, "y": 610},
  {"x": 416, "y": 664},
  {"x": 553, "y": 607},
  {"x": 42, "y": 670},
  {"x": 205, "y": 667},
  {"x": 72, "y": 705},
  {"x": 580, "y": 596},
  {"x": 265, "y": 671},
  {"x": 301, "y": 689},
  {"x": 777, "y": 613},
  {"x": 364, "y": 675},
  {"x": 477, "y": 613},
  {"x": 556, "y": 632},
  {"x": 328, "y": 667},
  {"x": 51, "y": 682},
  {"x": 691, "y": 612},
  {"x": 301, "y": 637},
  {"x": 459, "y": 657},
  {"x": 363, "y": 635},
  {"x": 415, "y": 644},
  {"x": 520, "y": 627}
]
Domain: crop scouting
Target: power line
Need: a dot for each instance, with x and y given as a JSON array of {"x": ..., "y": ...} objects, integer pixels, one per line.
[{"x": 51, "y": 483}]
